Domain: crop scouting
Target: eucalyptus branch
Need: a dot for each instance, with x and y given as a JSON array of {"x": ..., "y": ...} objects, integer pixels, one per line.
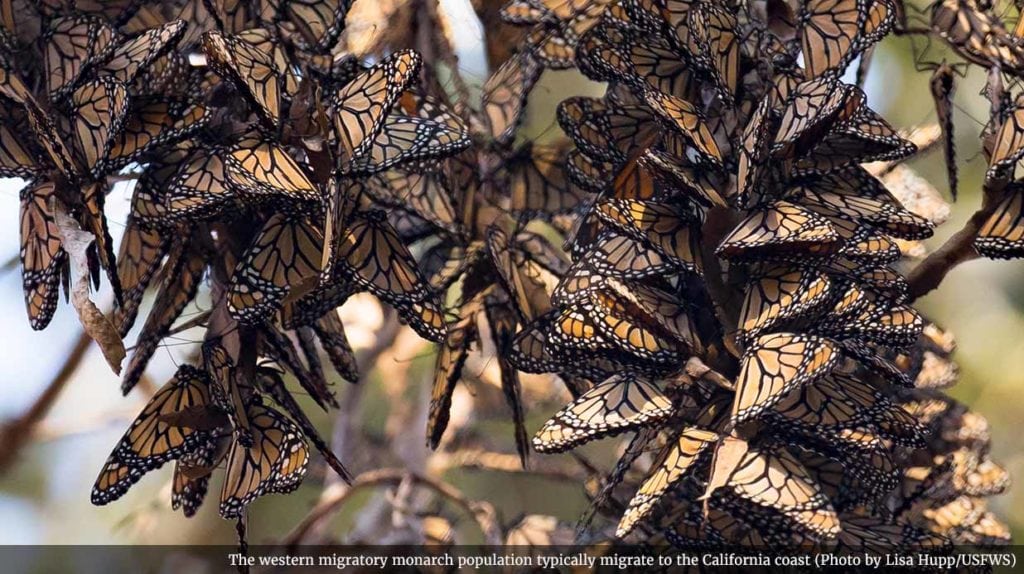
[
  {"x": 15, "y": 433},
  {"x": 391, "y": 477},
  {"x": 956, "y": 250}
]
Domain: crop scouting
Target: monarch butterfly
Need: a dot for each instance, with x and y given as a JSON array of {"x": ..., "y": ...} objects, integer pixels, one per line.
[
  {"x": 677, "y": 459},
  {"x": 814, "y": 107},
  {"x": 988, "y": 530},
  {"x": 96, "y": 220},
  {"x": 140, "y": 256},
  {"x": 230, "y": 16},
  {"x": 667, "y": 227},
  {"x": 505, "y": 93},
  {"x": 130, "y": 58},
  {"x": 407, "y": 138},
  {"x": 951, "y": 519},
  {"x": 605, "y": 130},
  {"x": 975, "y": 475},
  {"x": 317, "y": 303},
  {"x": 319, "y": 22},
  {"x": 619, "y": 255},
  {"x": 191, "y": 478},
  {"x": 422, "y": 189},
  {"x": 261, "y": 167},
  {"x": 152, "y": 123},
  {"x": 835, "y": 401},
  {"x": 361, "y": 106},
  {"x": 502, "y": 322},
  {"x": 714, "y": 30},
  {"x": 862, "y": 453},
  {"x": 16, "y": 158},
  {"x": 185, "y": 271},
  {"x": 265, "y": 41},
  {"x": 373, "y": 256},
  {"x": 552, "y": 47},
  {"x": 857, "y": 196},
  {"x": 222, "y": 350},
  {"x": 697, "y": 184},
  {"x": 687, "y": 121},
  {"x": 1002, "y": 235},
  {"x": 539, "y": 185},
  {"x": 935, "y": 371},
  {"x": 197, "y": 187},
  {"x": 858, "y": 351},
  {"x": 589, "y": 174},
  {"x": 271, "y": 382},
  {"x": 530, "y": 353},
  {"x": 73, "y": 44},
  {"x": 878, "y": 249},
  {"x": 753, "y": 152},
  {"x": 559, "y": 49},
  {"x": 829, "y": 32},
  {"x": 529, "y": 265},
  {"x": 642, "y": 62},
  {"x": 527, "y": 281},
  {"x": 865, "y": 137},
  {"x": 878, "y": 278},
  {"x": 44, "y": 262},
  {"x": 772, "y": 479},
  {"x": 42, "y": 127},
  {"x": 306, "y": 340},
  {"x": 444, "y": 264},
  {"x": 425, "y": 317},
  {"x": 527, "y": 12},
  {"x": 1009, "y": 144},
  {"x": 610, "y": 408},
  {"x": 275, "y": 463},
  {"x": 975, "y": 34},
  {"x": 885, "y": 323},
  {"x": 942, "y": 86},
  {"x": 250, "y": 68},
  {"x": 776, "y": 364},
  {"x": 879, "y": 536},
  {"x": 282, "y": 263},
  {"x": 152, "y": 440},
  {"x": 779, "y": 292},
  {"x": 780, "y": 230},
  {"x": 279, "y": 346},
  {"x": 170, "y": 75},
  {"x": 331, "y": 332},
  {"x": 451, "y": 357},
  {"x": 99, "y": 110}
]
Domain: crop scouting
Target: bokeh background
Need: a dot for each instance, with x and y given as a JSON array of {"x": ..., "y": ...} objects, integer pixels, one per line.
[{"x": 44, "y": 486}]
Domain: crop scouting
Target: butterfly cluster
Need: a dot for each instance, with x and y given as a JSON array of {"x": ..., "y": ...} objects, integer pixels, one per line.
[
  {"x": 711, "y": 257},
  {"x": 733, "y": 292},
  {"x": 253, "y": 176}
]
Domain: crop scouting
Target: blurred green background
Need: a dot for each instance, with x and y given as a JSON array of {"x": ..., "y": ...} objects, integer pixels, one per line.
[{"x": 44, "y": 493}]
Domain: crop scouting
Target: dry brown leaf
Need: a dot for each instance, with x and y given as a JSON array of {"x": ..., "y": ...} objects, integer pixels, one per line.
[
  {"x": 728, "y": 455},
  {"x": 76, "y": 242}
]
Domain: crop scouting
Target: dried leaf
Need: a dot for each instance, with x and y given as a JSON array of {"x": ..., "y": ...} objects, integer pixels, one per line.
[
  {"x": 727, "y": 457},
  {"x": 76, "y": 242}
]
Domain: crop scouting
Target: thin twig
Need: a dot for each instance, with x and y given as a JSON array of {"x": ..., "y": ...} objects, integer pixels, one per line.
[
  {"x": 338, "y": 496},
  {"x": 483, "y": 460},
  {"x": 121, "y": 177},
  {"x": 956, "y": 250}
]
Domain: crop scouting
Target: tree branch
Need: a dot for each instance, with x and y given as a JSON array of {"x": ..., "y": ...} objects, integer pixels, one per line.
[
  {"x": 957, "y": 249},
  {"x": 15, "y": 433},
  {"x": 336, "y": 498}
]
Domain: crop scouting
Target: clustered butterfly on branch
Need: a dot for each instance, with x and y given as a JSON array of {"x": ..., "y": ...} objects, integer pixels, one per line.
[{"x": 713, "y": 259}]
